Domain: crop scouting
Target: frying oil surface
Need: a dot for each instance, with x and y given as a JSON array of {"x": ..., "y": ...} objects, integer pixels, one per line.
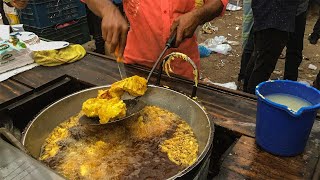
[
  {"x": 292, "y": 102},
  {"x": 156, "y": 145}
]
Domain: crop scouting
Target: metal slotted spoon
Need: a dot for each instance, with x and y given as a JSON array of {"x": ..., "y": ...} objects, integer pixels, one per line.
[{"x": 134, "y": 104}]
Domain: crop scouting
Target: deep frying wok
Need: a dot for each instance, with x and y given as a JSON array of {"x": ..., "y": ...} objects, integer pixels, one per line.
[{"x": 188, "y": 109}]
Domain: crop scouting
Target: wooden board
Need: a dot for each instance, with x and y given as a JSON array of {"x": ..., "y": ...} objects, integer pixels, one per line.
[
  {"x": 233, "y": 110},
  {"x": 248, "y": 161},
  {"x": 229, "y": 109},
  {"x": 10, "y": 89},
  {"x": 92, "y": 69}
]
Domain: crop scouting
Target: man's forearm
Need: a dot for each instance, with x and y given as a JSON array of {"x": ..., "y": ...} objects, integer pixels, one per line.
[
  {"x": 210, "y": 10},
  {"x": 99, "y": 7}
]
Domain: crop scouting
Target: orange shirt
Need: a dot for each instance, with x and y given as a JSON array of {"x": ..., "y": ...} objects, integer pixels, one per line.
[{"x": 150, "y": 22}]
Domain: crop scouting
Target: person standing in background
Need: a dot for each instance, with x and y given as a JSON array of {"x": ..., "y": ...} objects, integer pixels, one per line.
[
  {"x": 247, "y": 41},
  {"x": 315, "y": 35},
  {"x": 295, "y": 43},
  {"x": 94, "y": 23},
  {"x": 316, "y": 82},
  {"x": 273, "y": 22}
]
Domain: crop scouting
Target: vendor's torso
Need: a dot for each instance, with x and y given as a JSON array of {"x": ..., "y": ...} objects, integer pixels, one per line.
[{"x": 150, "y": 23}]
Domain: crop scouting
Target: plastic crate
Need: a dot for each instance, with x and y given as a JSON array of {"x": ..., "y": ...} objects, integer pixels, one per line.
[
  {"x": 46, "y": 13},
  {"x": 77, "y": 33}
]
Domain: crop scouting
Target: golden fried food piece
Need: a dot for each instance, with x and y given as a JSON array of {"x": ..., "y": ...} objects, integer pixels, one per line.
[
  {"x": 135, "y": 85},
  {"x": 108, "y": 104},
  {"x": 92, "y": 106},
  {"x": 176, "y": 55},
  {"x": 114, "y": 108},
  {"x": 110, "y": 93},
  {"x": 152, "y": 122},
  {"x": 59, "y": 133},
  {"x": 182, "y": 148}
]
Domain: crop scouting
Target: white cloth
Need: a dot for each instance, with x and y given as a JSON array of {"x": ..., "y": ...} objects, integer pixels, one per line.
[{"x": 4, "y": 32}]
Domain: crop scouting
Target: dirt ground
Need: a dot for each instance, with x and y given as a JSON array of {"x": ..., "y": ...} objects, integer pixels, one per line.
[{"x": 225, "y": 68}]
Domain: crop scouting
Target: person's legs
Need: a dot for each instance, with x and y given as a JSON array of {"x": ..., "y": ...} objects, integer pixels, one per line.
[
  {"x": 94, "y": 23},
  {"x": 315, "y": 35},
  {"x": 294, "y": 48},
  {"x": 246, "y": 55},
  {"x": 268, "y": 46},
  {"x": 316, "y": 83},
  {"x": 97, "y": 35}
]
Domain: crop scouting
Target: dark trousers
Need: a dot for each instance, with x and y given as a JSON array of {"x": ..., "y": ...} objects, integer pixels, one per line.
[
  {"x": 260, "y": 71},
  {"x": 316, "y": 28},
  {"x": 316, "y": 83},
  {"x": 246, "y": 55},
  {"x": 268, "y": 45},
  {"x": 294, "y": 48}
]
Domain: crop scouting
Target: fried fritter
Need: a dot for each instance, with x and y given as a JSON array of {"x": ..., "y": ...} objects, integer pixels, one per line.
[
  {"x": 135, "y": 86},
  {"x": 114, "y": 108},
  {"x": 92, "y": 106},
  {"x": 108, "y": 104}
]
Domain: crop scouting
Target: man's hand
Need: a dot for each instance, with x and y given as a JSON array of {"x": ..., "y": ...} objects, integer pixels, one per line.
[
  {"x": 185, "y": 25},
  {"x": 114, "y": 29},
  {"x": 19, "y": 4}
]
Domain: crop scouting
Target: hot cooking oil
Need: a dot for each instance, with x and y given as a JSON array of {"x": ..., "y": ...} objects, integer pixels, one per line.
[{"x": 140, "y": 148}]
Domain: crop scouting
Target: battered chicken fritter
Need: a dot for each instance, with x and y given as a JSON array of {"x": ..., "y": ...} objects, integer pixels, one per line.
[
  {"x": 114, "y": 108},
  {"x": 92, "y": 106},
  {"x": 108, "y": 104}
]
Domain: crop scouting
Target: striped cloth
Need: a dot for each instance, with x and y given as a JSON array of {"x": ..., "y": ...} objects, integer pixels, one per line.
[{"x": 247, "y": 23}]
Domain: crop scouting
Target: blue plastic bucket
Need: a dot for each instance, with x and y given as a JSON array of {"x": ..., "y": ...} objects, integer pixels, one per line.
[{"x": 279, "y": 130}]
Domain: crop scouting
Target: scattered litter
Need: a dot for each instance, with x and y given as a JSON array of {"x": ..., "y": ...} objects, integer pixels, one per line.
[
  {"x": 300, "y": 68},
  {"x": 313, "y": 67},
  {"x": 231, "y": 7},
  {"x": 229, "y": 34},
  {"x": 237, "y": 28},
  {"x": 207, "y": 28},
  {"x": 222, "y": 63},
  {"x": 229, "y": 85},
  {"x": 233, "y": 43},
  {"x": 220, "y": 39},
  {"x": 310, "y": 76},
  {"x": 216, "y": 45},
  {"x": 277, "y": 72},
  {"x": 306, "y": 58},
  {"x": 222, "y": 49},
  {"x": 204, "y": 51},
  {"x": 239, "y": 18},
  {"x": 282, "y": 56}
]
